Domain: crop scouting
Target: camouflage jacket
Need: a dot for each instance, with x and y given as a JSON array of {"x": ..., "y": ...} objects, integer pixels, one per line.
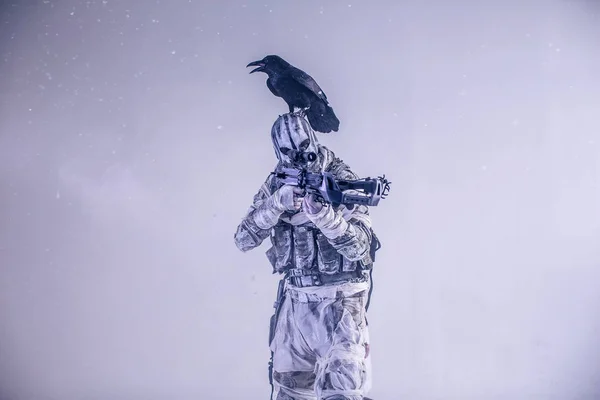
[{"x": 297, "y": 243}]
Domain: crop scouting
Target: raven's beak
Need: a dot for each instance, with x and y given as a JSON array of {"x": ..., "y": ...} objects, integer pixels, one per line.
[{"x": 259, "y": 64}]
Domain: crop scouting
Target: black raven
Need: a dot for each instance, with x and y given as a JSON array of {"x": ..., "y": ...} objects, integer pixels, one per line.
[{"x": 298, "y": 89}]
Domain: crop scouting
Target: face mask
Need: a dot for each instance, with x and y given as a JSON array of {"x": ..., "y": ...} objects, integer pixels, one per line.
[{"x": 294, "y": 142}]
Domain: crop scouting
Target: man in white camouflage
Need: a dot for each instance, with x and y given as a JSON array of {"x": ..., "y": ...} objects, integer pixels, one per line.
[{"x": 319, "y": 336}]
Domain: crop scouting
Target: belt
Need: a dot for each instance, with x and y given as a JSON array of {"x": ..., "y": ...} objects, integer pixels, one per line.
[{"x": 303, "y": 278}]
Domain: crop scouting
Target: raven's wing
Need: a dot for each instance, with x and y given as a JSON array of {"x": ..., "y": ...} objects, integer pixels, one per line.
[{"x": 307, "y": 81}]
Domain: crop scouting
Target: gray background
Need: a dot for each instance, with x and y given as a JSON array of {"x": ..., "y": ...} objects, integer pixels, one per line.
[{"x": 132, "y": 140}]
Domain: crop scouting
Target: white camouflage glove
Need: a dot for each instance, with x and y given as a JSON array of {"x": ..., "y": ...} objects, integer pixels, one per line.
[
  {"x": 286, "y": 198},
  {"x": 331, "y": 223}
]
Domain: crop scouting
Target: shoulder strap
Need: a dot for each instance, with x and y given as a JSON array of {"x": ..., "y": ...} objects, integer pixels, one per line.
[{"x": 375, "y": 245}]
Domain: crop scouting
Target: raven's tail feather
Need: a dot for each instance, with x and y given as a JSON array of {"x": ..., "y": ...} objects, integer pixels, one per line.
[{"x": 322, "y": 118}]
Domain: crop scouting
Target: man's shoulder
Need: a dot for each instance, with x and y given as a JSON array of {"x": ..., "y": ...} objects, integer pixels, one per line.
[
  {"x": 266, "y": 188},
  {"x": 338, "y": 167}
]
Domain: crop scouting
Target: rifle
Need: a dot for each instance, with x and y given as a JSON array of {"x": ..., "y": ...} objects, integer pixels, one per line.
[{"x": 366, "y": 191}]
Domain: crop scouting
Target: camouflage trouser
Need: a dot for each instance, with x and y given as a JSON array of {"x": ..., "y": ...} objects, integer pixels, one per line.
[{"x": 320, "y": 347}]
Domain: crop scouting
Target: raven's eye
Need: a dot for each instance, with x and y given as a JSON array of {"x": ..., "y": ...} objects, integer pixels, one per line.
[
  {"x": 304, "y": 144},
  {"x": 284, "y": 150}
]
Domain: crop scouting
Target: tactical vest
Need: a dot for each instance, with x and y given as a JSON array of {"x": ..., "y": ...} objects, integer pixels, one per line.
[{"x": 304, "y": 247}]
